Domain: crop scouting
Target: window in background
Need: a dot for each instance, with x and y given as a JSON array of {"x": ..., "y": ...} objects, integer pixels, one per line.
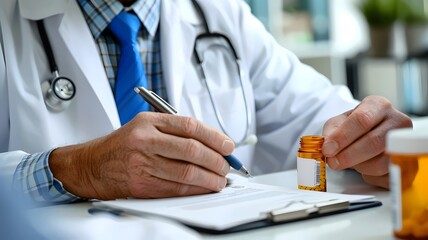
[
  {"x": 297, "y": 22},
  {"x": 322, "y": 33}
]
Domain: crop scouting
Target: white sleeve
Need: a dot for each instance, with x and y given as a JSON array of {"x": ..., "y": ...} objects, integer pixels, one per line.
[
  {"x": 9, "y": 160},
  {"x": 8, "y": 163}
]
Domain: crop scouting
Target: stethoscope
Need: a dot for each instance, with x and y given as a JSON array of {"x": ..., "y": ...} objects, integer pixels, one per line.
[
  {"x": 247, "y": 138},
  {"x": 58, "y": 91}
]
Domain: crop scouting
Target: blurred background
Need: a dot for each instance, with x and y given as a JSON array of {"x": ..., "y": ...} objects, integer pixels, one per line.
[{"x": 375, "y": 47}]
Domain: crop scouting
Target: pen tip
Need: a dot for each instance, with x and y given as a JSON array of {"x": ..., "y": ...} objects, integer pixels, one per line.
[
  {"x": 136, "y": 89},
  {"x": 246, "y": 172}
]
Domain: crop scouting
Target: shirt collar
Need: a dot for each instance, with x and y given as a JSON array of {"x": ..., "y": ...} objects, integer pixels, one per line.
[{"x": 99, "y": 13}]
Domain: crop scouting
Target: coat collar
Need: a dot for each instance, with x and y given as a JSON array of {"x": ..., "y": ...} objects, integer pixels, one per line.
[{"x": 36, "y": 10}]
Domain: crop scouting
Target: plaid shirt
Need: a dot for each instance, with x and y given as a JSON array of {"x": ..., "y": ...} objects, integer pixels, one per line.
[{"x": 33, "y": 176}]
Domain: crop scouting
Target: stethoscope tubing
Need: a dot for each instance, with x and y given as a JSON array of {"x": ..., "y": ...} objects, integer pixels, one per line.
[{"x": 199, "y": 60}]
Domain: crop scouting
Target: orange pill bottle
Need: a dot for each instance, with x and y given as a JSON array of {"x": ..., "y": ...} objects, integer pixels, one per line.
[
  {"x": 311, "y": 163},
  {"x": 408, "y": 154}
]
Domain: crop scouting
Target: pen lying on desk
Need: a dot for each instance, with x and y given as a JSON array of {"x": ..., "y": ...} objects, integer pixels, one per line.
[{"x": 162, "y": 106}]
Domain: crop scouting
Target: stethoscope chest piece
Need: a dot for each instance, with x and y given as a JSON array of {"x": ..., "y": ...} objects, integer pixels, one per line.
[{"x": 58, "y": 92}]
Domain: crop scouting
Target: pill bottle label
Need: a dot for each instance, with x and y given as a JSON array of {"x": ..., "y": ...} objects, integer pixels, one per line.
[
  {"x": 395, "y": 185},
  {"x": 308, "y": 172}
]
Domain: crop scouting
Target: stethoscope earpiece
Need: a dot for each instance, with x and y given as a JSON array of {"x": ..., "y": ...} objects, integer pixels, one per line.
[{"x": 251, "y": 140}]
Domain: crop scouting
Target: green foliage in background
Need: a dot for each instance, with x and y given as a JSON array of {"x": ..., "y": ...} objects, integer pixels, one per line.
[
  {"x": 412, "y": 12},
  {"x": 381, "y": 13}
]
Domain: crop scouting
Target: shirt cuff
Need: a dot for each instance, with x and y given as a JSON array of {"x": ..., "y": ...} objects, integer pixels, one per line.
[{"x": 34, "y": 179}]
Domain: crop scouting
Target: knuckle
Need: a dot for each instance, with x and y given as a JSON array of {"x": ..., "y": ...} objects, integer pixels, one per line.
[
  {"x": 192, "y": 149},
  {"x": 142, "y": 116},
  {"x": 150, "y": 140},
  {"x": 190, "y": 126},
  {"x": 189, "y": 173},
  {"x": 341, "y": 136},
  {"x": 219, "y": 165},
  {"x": 364, "y": 119},
  {"x": 382, "y": 166},
  {"x": 328, "y": 125},
  {"x": 213, "y": 183},
  {"x": 377, "y": 142},
  {"x": 384, "y": 102},
  {"x": 138, "y": 138},
  {"x": 345, "y": 159},
  {"x": 132, "y": 137},
  {"x": 329, "y": 122}
]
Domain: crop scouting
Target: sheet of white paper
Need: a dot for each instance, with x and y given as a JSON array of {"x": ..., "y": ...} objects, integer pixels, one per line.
[{"x": 241, "y": 202}]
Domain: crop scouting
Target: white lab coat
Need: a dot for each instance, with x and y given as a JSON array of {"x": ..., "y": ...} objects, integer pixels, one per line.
[{"x": 287, "y": 99}]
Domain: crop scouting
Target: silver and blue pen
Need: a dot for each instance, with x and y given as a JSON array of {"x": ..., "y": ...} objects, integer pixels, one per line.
[{"x": 162, "y": 106}]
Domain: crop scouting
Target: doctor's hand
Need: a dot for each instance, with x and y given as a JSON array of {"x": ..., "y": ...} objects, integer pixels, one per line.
[
  {"x": 155, "y": 155},
  {"x": 356, "y": 139}
]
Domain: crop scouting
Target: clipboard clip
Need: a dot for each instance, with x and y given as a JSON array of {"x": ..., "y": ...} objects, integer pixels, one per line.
[{"x": 287, "y": 214}]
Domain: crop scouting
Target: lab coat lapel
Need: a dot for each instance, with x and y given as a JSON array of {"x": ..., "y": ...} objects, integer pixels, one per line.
[
  {"x": 84, "y": 51},
  {"x": 177, "y": 40},
  {"x": 74, "y": 32}
]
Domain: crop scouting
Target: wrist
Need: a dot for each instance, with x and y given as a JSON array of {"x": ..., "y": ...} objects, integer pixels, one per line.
[{"x": 68, "y": 167}]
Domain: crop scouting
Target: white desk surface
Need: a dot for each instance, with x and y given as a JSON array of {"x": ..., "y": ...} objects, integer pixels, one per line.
[{"x": 373, "y": 223}]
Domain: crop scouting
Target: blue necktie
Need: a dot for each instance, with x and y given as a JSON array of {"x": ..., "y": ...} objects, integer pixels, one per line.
[{"x": 130, "y": 72}]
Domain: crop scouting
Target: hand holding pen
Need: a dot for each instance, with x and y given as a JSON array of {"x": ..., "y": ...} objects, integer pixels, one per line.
[
  {"x": 152, "y": 156},
  {"x": 162, "y": 106}
]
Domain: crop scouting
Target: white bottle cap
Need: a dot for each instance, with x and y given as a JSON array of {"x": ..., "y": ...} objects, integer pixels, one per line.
[{"x": 407, "y": 141}]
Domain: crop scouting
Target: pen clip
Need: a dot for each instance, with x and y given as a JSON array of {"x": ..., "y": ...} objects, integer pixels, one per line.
[
  {"x": 164, "y": 102},
  {"x": 155, "y": 101}
]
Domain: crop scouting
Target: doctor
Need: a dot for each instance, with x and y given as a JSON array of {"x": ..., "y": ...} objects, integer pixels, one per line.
[{"x": 82, "y": 150}]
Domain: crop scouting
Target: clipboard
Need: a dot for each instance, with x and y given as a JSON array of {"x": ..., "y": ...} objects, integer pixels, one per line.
[
  {"x": 288, "y": 217},
  {"x": 241, "y": 206}
]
